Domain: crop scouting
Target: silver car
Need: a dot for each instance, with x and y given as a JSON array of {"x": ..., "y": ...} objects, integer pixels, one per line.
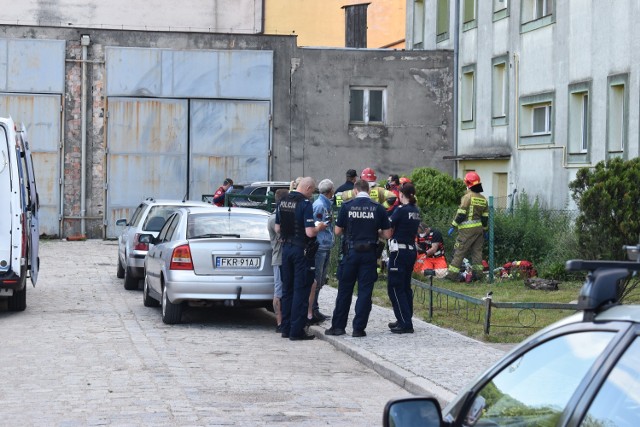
[
  {"x": 148, "y": 217},
  {"x": 207, "y": 257}
]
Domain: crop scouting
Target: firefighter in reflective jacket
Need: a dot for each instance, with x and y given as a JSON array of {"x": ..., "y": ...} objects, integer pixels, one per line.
[
  {"x": 378, "y": 194},
  {"x": 472, "y": 220}
]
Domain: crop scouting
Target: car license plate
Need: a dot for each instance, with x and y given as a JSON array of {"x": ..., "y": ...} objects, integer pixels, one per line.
[{"x": 238, "y": 262}]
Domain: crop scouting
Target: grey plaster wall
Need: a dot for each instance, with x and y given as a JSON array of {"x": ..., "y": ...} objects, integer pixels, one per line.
[{"x": 419, "y": 112}]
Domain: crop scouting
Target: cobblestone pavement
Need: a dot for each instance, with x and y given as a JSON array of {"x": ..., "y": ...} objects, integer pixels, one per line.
[{"x": 87, "y": 352}]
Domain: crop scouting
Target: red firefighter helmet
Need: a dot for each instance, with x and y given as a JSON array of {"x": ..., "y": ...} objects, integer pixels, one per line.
[
  {"x": 368, "y": 175},
  {"x": 404, "y": 180},
  {"x": 471, "y": 179}
]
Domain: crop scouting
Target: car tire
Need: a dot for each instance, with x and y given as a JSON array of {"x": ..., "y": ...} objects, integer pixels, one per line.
[
  {"x": 148, "y": 300},
  {"x": 130, "y": 282},
  {"x": 120, "y": 271},
  {"x": 171, "y": 313},
  {"x": 18, "y": 301}
]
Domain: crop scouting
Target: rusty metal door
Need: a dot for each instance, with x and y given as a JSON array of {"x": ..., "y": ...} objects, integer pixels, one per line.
[
  {"x": 147, "y": 154},
  {"x": 228, "y": 138},
  {"x": 41, "y": 115}
]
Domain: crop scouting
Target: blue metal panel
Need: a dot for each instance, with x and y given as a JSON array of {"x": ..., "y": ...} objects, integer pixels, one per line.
[
  {"x": 147, "y": 154},
  {"x": 228, "y": 139},
  {"x": 238, "y": 74},
  {"x": 28, "y": 65},
  {"x": 41, "y": 116}
]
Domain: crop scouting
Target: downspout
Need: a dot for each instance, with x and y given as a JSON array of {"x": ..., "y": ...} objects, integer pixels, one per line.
[
  {"x": 84, "y": 42},
  {"x": 456, "y": 54}
]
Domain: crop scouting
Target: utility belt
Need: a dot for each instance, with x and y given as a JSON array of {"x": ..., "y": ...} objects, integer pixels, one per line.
[
  {"x": 310, "y": 246},
  {"x": 394, "y": 246},
  {"x": 362, "y": 246},
  {"x": 295, "y": 242}
]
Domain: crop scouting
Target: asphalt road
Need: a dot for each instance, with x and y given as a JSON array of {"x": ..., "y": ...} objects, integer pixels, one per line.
[{"x": 87, "y": 352}]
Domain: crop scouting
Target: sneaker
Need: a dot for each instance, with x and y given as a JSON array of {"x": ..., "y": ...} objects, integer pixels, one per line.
[
  {"x": 335, "y": 331},
  {"x": 393, "y": 324},
  {"x": 357, "y": 334}
]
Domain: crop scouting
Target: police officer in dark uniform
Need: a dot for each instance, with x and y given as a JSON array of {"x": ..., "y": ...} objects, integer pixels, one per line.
[
  {"x": 295, "y": 223},
  {"x": 361, "y": 221},
  {"x": 402, "y": 256}
]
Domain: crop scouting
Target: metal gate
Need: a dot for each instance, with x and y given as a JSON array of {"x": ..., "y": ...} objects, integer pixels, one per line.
[
  {"x": 147, "y": 153},
  {"x": 41, "y": 115}
]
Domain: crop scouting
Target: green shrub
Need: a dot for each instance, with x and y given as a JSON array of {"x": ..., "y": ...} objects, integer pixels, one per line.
[{"x": 608, "y": 197}]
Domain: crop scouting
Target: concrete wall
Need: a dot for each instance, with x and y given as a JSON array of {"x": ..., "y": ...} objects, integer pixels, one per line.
[
  {"x": 219, "y": 16},
  {"x": 419, "y": 105}
]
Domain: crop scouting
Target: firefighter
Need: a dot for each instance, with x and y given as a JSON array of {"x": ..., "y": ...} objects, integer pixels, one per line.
[
  {"x": 378, "y": 194},
  {"x": 472, "y": 221}
]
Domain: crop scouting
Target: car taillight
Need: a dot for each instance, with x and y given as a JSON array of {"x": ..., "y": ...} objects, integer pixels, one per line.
[
  {"x": 139, "y": 246},
  {"x": 181, "y": 258}
]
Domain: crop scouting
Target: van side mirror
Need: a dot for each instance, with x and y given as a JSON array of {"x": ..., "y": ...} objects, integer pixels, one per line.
[
  {"x": 121, "y": 222},
  {"x": 412, "y": 411}
]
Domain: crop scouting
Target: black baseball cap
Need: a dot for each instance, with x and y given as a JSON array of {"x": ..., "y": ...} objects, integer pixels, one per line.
[
  {"x": 228, "y": 181},
  {"x": 351, "y": 173}
]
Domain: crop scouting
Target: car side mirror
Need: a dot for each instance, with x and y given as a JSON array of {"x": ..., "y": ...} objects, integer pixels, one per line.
[
  {"x": 412, "y": 411},
  {"x": 147, "y": 238},
  {"x": 121, "y": 221}
]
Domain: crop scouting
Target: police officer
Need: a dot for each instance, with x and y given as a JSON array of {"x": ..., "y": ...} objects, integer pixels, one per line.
[
  {"x": 295, "y": 223},
  {"x": 362, "y": 221},
  {"x": 472, "y": 220},
  {"x": 402, "y": 256}
]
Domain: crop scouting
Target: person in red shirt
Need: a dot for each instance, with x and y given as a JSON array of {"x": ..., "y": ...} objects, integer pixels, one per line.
[
  {"x": 218, "y": 197},
  {"x": 431, "y": 255}
]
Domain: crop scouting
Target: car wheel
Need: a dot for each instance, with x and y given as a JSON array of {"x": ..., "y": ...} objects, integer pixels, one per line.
[
  {"x": 171, "y": 313},
  {"x": 130, "y": 282},
  {"x": 18, "y": 301},
  {"x": 147, "y": 300},
  {"x": 120, "y": 271}
]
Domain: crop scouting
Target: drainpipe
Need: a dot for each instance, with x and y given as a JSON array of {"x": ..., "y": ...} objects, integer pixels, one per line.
[
  {"x": 456, "y": 54},
  {"x": 84, "y": 42}
]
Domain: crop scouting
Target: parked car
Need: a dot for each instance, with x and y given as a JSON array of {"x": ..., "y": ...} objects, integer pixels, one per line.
[
  {"x": 206, "y": 257},
  {"x": 583, "y": 370},
  {"x": 19, "y": 229},
  {"x": 148, "y": 217},
  {"x": 255, "y": 194}
]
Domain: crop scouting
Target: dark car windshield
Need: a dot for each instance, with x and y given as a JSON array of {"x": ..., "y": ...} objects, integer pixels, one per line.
[{"x": 229, "y": 224}]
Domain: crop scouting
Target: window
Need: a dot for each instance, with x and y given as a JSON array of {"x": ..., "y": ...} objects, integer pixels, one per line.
[
  {"x": 536, "y": 119},
  {"x": 536, "y": 388},
  {"x": 541, "y": 119},
  {"x": 469, "y": 14},
  {"x": 367, "y": 105},
  {"x": 536, "y": 14},
  {"x": 467, "y": 97},
  {"x": 500, "y": 9},
  {"x": 617, "y": 115},
  {"x": 418, "y": 24},
  {"x": 579, "y": 121},
  {"x": 618, "y": 400},
  {"x": 500, "y": 91},
  {"x": 442, "y": 20}
]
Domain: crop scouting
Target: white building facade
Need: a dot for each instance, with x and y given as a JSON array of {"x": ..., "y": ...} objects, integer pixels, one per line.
[{"x": 542, "y": 87}]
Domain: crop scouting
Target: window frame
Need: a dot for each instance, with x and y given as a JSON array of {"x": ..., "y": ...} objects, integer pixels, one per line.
[
  {"x": 527, "y": 104},
  {"x": 500, "y": 118},
  {"x": 500, "y": 11},
  {"x": 469, "y": 18},
  {"x": 468, "y": 97},
  {"x": 616, "y": 81},
  {"x": 529, "y": 20},
  {"x": 579, "y": 130},
  {"x": 442, "y": 20},
  {"x": 366, "y": 111},
  {"x": 418, "y": 24}
]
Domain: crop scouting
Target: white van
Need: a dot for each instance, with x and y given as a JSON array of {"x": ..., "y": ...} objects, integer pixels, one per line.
[{"x": 19, "y": 232}]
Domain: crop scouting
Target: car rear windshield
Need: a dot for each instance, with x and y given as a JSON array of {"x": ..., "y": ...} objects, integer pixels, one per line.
[{"x": 243, "y": 226}]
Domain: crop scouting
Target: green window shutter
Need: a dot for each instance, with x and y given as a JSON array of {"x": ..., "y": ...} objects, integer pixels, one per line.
[
  {"x": 469, "y": 13},
  {"x": 442, "y": 24}
]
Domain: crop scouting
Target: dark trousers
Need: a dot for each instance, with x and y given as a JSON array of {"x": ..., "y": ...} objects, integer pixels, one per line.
[
  {"x": 360, "y": 267},
  {"x": 295, "y": 289},
  {"x": 399, "y": 288}
]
